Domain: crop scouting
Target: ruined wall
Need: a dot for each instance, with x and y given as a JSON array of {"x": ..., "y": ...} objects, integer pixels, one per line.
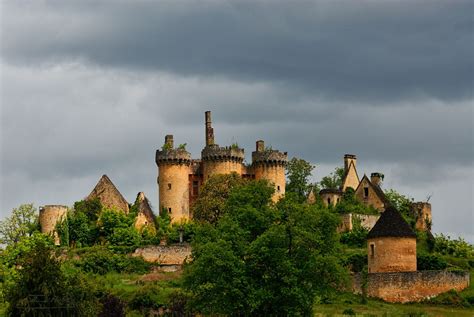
[
  {"x": 330, "y": 198},
  {"x": 403, "y": 287},
  {"x": 165, "y": 254},
  {"x": 422, "y": 212},
  {"x": 391, "y": 254},
  {"x": 173, "y": 180},
  {"x": 372, "y": 198},
  {"x": 348, "y": 221},
  {"x": 49, "y": 216}
]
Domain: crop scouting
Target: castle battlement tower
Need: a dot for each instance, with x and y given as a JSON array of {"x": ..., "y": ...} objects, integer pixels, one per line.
[
  {"x": 180, "y": 178},
  {"x": 217, "y": 159},
  {"x": 270, "y": 164},
  {"x": 173, "y": 180}
]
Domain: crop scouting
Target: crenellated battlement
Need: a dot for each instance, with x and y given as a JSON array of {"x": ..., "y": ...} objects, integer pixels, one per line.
[
  {"x": 264, "y": 156},
  {"x": 173, "y": 156},
  {"x": 219, "y": 154}
]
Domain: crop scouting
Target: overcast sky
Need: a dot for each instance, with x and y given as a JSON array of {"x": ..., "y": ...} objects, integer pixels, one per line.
[{"x": 91, "y": 88}]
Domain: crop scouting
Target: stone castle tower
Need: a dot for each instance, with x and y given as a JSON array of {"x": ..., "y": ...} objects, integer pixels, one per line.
[
  {"x": 180, "y": 177},
  {"x": 49, "y": 217}
]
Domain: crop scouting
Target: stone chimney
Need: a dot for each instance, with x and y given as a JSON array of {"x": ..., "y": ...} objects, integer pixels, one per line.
[
  {"x": 376, "y": 178},
  {"x": 348, "y": 158},
  {"x": 260, "y": 146},
  {"x": 209, "y": 129},
  {"x": 169, "y": 141}
]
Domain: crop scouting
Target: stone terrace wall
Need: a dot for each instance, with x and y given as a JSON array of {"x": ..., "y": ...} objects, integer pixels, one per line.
[
  {"x": 165, "y": 254},
  {"x": 403, "y": 287}
]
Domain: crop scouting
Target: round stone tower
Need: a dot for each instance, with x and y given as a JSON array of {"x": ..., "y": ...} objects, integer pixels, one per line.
[
  {"x": 391, "y": 244},
  {"x": 219, "y": 160},
  {"x": 270, "y": 165},
  {"x": 173, "y": 180},
  {"x": 49, "y": 216}
]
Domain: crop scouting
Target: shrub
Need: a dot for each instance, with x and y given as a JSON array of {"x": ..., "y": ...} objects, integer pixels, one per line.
[
  {"x": 102, "y": 261},
  {"x": 112, "y": 306},
  {"x": 356, "y": 262},
  {"x": 129, "y": 237},
  {"x": 430, "y": 262},
  {"x": 457, "y": 247},
  {"x": 145, "y": 298},
  {"x": 349, "y": 312}
]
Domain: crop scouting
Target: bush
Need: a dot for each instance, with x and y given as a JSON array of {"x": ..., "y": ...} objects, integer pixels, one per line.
[
  {"x": 145, "y": 298},
  {"x": 457, "y": 247},
  {"x": 112, "y": 306},
  {"x": 430, "y": 262},
  {"x": 356, "y": 262},
  {"x": 349, "y": 312},
  {"x": 102, "y": 261},
  {"x": 129, "y": 237},
  {"x": 451, "y": 298},
  {"x": 188, "y": 228}
]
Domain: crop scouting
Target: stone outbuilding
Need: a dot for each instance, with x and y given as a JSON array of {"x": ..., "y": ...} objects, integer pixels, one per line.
[
  {"x": 391, "y": 244},
  {"x": 330, "y": 196},
  {"x": 109, "y": 195}
]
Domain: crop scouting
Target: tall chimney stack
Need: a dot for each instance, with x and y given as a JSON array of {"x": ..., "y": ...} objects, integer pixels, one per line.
[{"x": 209, "y": 129}]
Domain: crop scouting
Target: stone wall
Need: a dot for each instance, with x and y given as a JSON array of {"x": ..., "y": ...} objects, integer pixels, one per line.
[
  {"x": 275, "y": 174},
  {"x": 372, "y": 199},
  {"x": 348, "y": 220},
  {"x": 169, "y": 255},
  {"x": 403, "y": 287},
  {"x": 173, "y": 186}
]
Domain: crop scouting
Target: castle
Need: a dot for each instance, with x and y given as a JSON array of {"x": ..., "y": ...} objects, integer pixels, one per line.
[{"x": 180, "y": 177}]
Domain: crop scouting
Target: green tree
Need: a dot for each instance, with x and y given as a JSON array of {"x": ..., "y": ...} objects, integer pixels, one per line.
[
  {"x": 298, "y": 172},
  {"x": 40, "y": 287},
  {"x": 81, "y": 231},
  {"x": 264, "y": 259},
  {"x": 333, "y": 180},
  {"x": 91, "y": 208},
  {"x": 23, "y": 222},
  {"x": 209, "y": 207},
  {"x": 349, "y": 204}
]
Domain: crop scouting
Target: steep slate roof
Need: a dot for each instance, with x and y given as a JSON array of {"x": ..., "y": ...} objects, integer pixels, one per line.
[
  {"x": 376, "y": 189},
  {"x": 391, "y": 224},
  {"x": 109, "y": 195}
]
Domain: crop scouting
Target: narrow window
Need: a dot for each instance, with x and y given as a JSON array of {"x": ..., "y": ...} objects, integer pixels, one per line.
[
  {"x": 169, "y": 210},
  {"x": 366, "y": 192},
  {"x": 329, "y": 201},
  {"x": 169, "y": 186},
  {"x": 195, "y": 188},
  {"x": 278, "y": 188},
  {"x": 337, "y": 200},
  {"x": 372, "y": 250},
  {"x": 146, "y": 222}
]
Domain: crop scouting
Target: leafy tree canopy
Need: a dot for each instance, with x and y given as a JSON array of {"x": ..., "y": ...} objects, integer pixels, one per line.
[
  {"x": 263, "y": 259},
  {"x": 209, "y": 207},
  {"x": 23, "y": 222},
  {"x": 298, "y": 172},
  {"x": 333, "y": 180}
]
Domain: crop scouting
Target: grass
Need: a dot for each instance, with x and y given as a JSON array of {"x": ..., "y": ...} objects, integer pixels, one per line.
[{"x": 372, "y": 307}]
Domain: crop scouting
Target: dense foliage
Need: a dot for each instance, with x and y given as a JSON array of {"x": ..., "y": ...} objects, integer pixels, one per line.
[
  {"x": 456, "y": 247},
  {"x": 298, "y": 172},
  {"x": 264, "y": 260},
  {"x": 333, "y": 180},
  {"x": 23, "y": 222},
  {"x": 41, "y": 288},
  {"x": 349, "y": 204},
  {"x": 209, "y": 206}
]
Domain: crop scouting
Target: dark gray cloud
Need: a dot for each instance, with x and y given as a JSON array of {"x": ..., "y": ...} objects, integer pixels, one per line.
[
  {"x": 90, "y": 88},
  {"x": 358, "y": 51}
]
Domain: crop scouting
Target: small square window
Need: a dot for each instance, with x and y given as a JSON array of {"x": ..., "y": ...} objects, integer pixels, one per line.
[{"x": 169, "y": 186}]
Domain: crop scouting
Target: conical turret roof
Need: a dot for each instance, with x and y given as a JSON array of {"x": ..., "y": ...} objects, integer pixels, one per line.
[
  {"x": 391, "y": 224},
  {"x": 109, "y": 195}
]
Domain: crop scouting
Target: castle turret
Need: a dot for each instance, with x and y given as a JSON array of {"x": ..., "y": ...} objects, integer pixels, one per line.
[
  {"x": 173, "y": 180},
  {"x": 391, "y": 244},
  {"x": 270, "y": 165},
  {"x": 219, "y": 160},
  {"x": 49, "y": 217}
]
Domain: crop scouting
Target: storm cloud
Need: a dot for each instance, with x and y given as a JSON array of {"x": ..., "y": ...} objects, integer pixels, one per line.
[{"x": 92, "y": 87}]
